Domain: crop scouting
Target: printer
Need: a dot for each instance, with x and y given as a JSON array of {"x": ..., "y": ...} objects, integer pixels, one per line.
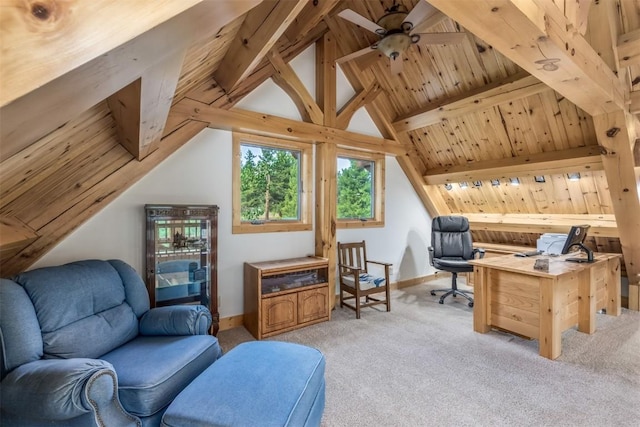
[{"x": 551, "y": 243}]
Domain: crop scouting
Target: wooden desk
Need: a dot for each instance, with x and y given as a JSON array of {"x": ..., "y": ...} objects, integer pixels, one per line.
[{"x": 510, "y": 294}]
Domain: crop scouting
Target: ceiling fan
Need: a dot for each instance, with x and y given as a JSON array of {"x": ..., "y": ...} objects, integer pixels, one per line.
[{"x": 398, "y": 29}]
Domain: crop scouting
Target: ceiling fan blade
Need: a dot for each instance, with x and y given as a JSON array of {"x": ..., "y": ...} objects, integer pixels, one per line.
[
  {"x": 360, "y": 20},
  {"x": 421, "y": 10},
  {"x": 396, "y": 64},
  {"x": 356, "y": 54},
  {"x": 435, "y": 18},
  {"x": 442, "y": 38}
]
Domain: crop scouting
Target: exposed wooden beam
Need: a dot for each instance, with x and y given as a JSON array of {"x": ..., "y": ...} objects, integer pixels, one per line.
[
  {"x": 601, "y": 225},
  {"x": 616, "y": 142},
  {"x": 32, "y": 31},
  {"x": 211, "y": 93},
  {"x": 538, "y": 37},
  {"x": 32, "y": 116},
  {"x": 267, "y": 125},
  {"x": 629, "y": 49},
  {"x": 15, "y": 235},
  {"x": 259, "y": 32},
  {"x": 141, "y": 108},
  {"x": 326, "y": 158},
  {"x": 359, "y": 100},
  {"x": 581, "y": 159},
  {"x": 513, "y": 87},
  {"x": 326, "y": 79},
  {"x": 603, "y": 31},
  {"x": 634, "y": 106},
  {"x": 290, "y": 83},
  {"x": 577, "y": 12},
  {"x": 312, "y": 14}
]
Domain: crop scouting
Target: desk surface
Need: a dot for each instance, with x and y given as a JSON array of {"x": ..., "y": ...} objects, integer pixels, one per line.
[{"x": 557, "y": 264}]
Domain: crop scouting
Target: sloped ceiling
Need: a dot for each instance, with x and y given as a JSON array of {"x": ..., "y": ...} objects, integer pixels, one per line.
[{"x": 476, "y": 111}]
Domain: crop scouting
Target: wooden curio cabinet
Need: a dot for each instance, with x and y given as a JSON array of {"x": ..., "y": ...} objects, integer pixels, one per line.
[
  {"x": 286, "y": 294},
  {"x": 182, "y": 256}
]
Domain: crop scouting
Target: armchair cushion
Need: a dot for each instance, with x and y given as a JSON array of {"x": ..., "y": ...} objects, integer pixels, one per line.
[
  {"x": 58, "y": 386},
  {"x": 366, "y": 281},
  {"x": 153, "y": 370},
  {"x": 176, "y": 320},
  {"x": 93, "y": 295}
]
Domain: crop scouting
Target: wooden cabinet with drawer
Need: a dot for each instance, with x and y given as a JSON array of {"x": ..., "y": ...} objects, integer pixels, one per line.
[{"x": 286, "y": 294}]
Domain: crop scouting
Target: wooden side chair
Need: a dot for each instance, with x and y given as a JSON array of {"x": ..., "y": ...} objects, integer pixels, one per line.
[{"x": 356, "y": 281}]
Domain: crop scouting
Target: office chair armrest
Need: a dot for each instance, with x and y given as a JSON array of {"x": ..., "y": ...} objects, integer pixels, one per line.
[
  {"x": 431, "y": 250},
  {"x": 478, "y": 251}
]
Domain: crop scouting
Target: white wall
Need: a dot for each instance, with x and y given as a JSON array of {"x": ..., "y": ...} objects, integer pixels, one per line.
[{"x": 200, "y": 173}]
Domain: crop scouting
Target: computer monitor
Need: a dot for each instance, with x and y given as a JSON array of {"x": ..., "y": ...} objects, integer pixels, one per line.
[{"x": 576, "y": 237}]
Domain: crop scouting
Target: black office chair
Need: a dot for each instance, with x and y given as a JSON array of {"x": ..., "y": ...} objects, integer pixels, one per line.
[{"x": 451, "y": 248}]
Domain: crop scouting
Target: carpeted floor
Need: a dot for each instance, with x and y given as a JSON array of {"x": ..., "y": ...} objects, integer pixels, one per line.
[{"x": 423, "y": 365}]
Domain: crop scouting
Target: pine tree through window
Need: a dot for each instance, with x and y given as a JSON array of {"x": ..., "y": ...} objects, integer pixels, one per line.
[
  {"x": 360, "y": 189},
  {"x": 270, "y": 177}
]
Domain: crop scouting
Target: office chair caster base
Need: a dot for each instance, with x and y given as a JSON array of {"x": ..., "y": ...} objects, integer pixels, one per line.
[
  {"x": 470, "y": 304},
  {"x": 433, "y": 293},
  {"x": 441, "y": 302}
]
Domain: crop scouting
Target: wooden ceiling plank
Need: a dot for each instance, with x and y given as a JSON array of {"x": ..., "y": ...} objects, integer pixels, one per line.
[
  {"x": 539, "y": 38},
  {"x": 259, "y": 32},
  {"x": 95, "y": 198},
  {"x": 209, "y": 91},
  {"x": 513, "y": 87},
  {"x": 550, "y": 163},
  {"x": 601, "y": 225},
  {"x": 32, "y": 116},
  {"x": 358, "y": 101},
  {"x": 30, "y": 34},
  {"x": 287, "y": 79}
]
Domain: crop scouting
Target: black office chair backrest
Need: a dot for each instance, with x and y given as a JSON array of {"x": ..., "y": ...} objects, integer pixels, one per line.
[{"x": 451, "y": 237}]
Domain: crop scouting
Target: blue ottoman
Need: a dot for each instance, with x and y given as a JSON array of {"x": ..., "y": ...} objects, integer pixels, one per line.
[{"x": 258, "y": 383}]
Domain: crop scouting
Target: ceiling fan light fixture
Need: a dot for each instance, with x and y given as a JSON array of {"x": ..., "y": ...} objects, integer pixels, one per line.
[{"x": 393, "y": 44}]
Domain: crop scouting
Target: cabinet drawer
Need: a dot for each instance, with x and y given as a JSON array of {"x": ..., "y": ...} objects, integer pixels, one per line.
[
  {"x": 313, "y": 304},
  {"x": 279, "y": 313}
]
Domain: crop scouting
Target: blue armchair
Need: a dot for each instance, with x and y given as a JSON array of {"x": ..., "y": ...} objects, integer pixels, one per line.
[{"x": 79, "y": 346}]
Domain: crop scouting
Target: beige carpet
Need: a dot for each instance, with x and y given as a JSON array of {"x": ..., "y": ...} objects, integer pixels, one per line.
[{"x": 423, "y": 365}]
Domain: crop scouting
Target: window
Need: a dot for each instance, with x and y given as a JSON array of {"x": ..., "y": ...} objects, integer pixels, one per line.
[
  {"x": 360, "y": 189},
  {"x": 272, "y": 184}
]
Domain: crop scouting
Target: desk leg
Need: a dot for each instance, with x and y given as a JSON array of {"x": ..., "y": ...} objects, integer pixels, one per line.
[
  {"x": 550, "y": 335},
  {"x": 481, "y": 300},
  {"x": 612, "y": 287},
  {"x": 587, "y": 301}
]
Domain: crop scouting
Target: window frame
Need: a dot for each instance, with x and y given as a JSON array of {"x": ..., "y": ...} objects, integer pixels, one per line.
[
  {"x": 378, "y": 190},
  {"x": 306, "y": 184}
]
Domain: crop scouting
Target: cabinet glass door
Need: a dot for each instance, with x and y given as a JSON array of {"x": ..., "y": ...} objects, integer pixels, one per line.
[
  {"x": 182, "y": 261},
  {"x": 182, "y": 256}
]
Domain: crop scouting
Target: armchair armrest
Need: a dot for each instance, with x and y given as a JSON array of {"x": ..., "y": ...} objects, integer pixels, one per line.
[
  {"x": 353, "y": 270},
  {"x": 480, "y": 251},
  {"x": 65, "y": 389},
  {"x": 386, "y": 264},
  {"x": 176, "y": 320}
]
